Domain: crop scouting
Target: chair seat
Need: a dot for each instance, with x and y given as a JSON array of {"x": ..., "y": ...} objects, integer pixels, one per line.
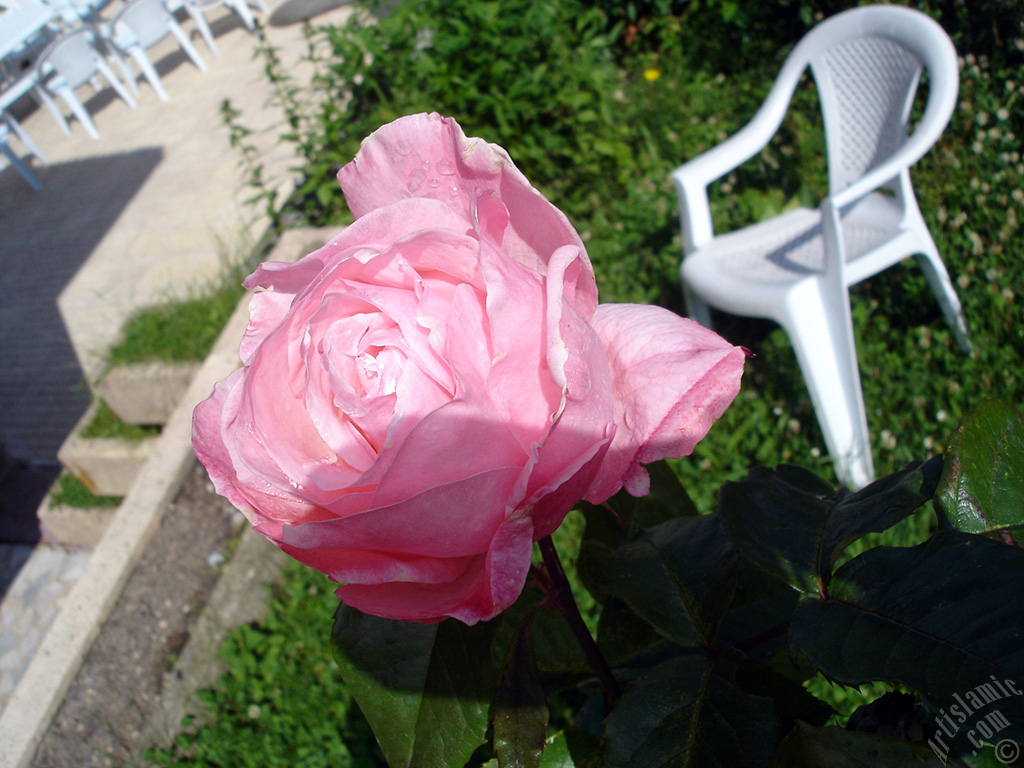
[{"x": 745, "y": 271}]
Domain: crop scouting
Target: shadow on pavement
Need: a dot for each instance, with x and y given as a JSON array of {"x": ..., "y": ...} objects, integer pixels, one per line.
[{"x": 45, "y": 238}]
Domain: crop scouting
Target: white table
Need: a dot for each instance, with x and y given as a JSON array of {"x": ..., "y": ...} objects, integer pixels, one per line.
[{"x": 19, "y": 25}]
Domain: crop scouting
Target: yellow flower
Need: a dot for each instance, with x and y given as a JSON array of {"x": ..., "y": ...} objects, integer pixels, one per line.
[{"x": 651, "y": 74}]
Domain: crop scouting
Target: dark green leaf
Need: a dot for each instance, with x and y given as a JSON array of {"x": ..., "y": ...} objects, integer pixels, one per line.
[
  {"x": 556, "y": 649},
  {"x": 781, "y": 680},
  {"x": 943, "y": 618},
  {"x": 757, "y": 621},
  {"x": 678, "y": 576},
  {"x": 688, "y": 713},
  {"x": 833, "y": 747},
  {"x": 424, "y": 688},
  {"x": 626, "y": 640},
  {"x": 622, "y": 517},
  {"x": 894, "y": 714},
  {"x": 982, "y": 482},
  {"x": 520, "y": 707},
  {"x": 568, "y": 749},
  {"x": 793, "y": 525}
]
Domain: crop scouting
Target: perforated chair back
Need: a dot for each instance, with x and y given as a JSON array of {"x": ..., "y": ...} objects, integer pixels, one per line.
[
  {"x": 74, "y": 56},
  {"x": 147, "y": 20},
  {"x": 867, "y": 67}
]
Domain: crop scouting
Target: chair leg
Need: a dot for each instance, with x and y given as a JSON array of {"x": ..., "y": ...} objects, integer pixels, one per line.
[
  {"x": 42, "y": 96},
  {"x": 116, "y": 84},
  {"x": 825, "y": 349},
  {"x": 79, "y": 111},
  {"x": 186, "y": 46},
  {"x": 204, "y": 29},
  {"x": 126, "y": 71},
  {"x": 696, "y": 308},
  {"x": 148, "y": 71},
  {"x": 241, "y": 7},
  {"x": 938, "y": 278},
  {"x": 19, "y": 166},
  {"x": 25, "y": 138}
]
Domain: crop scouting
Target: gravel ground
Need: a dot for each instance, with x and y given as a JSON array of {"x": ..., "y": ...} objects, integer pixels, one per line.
[{"x": 110, "y": 714}]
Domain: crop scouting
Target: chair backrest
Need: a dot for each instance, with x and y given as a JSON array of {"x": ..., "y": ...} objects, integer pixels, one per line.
[
  {"x": 148, "y": 20},
  {"x": 867, "y": 63},
  {"x": 73, "y": 56}
]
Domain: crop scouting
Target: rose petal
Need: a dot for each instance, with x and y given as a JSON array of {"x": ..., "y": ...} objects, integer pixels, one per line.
[
  {"x": 672, "y": 379},
  {"x": 429, "y": 157},
  {"x": 453, "y": 531},
  {"x": 374, "y": 567},
  {"x": 489, "y": 584},
  {"x": 263, "y": 503},
  {"x": 520, "y": 384},
  {"x": 568, "y": 458}
]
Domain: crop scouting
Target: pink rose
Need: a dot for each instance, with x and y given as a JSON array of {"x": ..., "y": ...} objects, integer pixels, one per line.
[{"x": 434, "y": 389}]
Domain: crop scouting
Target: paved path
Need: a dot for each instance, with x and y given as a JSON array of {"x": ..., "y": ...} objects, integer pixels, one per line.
[{"x": 45, "y": 575}]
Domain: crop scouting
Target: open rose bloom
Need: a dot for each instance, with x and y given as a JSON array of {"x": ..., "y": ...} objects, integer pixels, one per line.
[{"x": 436, "y": 388}]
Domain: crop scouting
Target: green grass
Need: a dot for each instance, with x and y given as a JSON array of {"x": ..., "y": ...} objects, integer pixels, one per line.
[
  {"x": 69, "y": 491},
  {"x": 106, "y": 424},
  {"x": 177, "y": 330},
  {"x": 281, "y": 703}
]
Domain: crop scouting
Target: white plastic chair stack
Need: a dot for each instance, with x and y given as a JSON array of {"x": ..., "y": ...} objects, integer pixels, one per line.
[
  {"x": 71, "y": 61},
  {"x": 797, "y": 268},
  {"x": 9, "y": 125},
  {"x": 140, "y": 25}
]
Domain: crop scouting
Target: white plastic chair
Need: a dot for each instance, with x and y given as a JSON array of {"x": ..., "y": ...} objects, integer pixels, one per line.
[
  {"x": 140, "y": 25},
  {"x": 9, "y": 125},
  {"x": 71, "y": 61},
  {"x": 197, "y": 10},
  {"x": 797, "y": 268}
]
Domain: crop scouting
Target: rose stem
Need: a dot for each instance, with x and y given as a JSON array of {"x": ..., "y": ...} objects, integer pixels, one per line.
[{"x": 562, "y": 593}]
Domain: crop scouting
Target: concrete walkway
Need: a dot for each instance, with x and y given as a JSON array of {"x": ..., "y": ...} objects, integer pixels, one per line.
[{"x": 154, "y": 208}]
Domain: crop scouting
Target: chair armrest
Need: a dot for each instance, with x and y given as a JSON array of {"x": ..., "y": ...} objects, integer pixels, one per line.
[{"x": 693, "y": 177}]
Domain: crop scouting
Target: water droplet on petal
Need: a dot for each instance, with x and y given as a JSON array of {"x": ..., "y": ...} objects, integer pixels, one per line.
[
  {"x": 434, "y": 183},
  {"x": 446, "y": 167},
  {"x": 403, "y": 147},
  {"x": 453, "y": 191},
  {"x": 426, "y": 165}
]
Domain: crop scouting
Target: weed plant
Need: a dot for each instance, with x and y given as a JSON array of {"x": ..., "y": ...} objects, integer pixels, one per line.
[{"x": 597, "y": 102}]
